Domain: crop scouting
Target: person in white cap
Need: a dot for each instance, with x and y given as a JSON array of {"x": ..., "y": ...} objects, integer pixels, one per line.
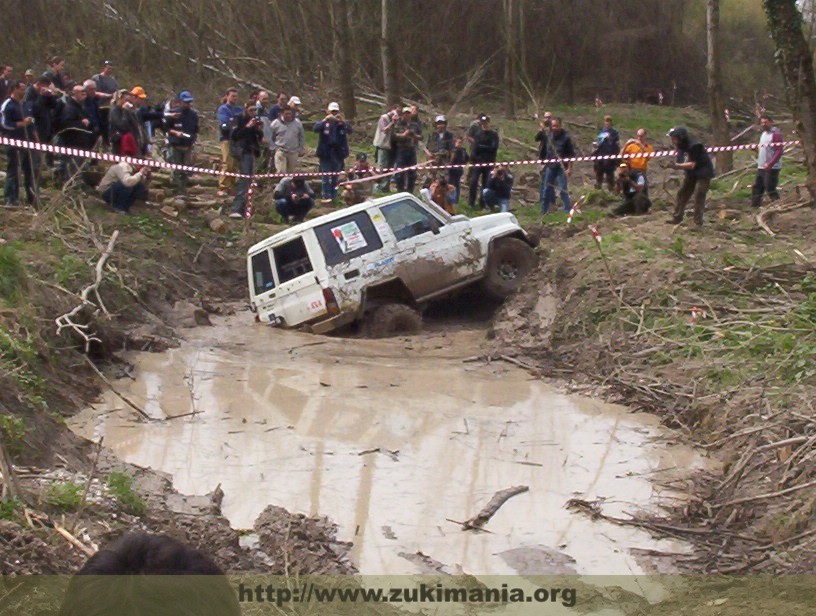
[
  {"x": 294, "y": 104},
  {"x": 440, "y": 142},
  {"x": 332, "y": 149}
]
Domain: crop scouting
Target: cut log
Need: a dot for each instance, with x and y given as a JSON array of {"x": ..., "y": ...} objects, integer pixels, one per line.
[{"x": 489, "y": 510}]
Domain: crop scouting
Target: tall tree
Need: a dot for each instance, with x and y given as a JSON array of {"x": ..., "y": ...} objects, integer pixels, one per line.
[
  {"x": 343, "y": 54},
  {"x": 796, "y": 61},
  {"x": 510, "y": 58},
  {"x": 719, "y": 123},
  {"x": 388, "y": 53}
]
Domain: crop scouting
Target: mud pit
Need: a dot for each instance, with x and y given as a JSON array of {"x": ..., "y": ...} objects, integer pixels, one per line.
[{"x": 390, "y": 439}]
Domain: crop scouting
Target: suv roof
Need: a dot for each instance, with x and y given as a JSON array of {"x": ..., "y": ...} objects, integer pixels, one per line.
[{"x": 298, "y": 229}]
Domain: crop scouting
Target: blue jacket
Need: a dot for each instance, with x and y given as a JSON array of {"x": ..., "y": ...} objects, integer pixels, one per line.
[
  {"x": 11, "y": 112},
  {"x": 332, "y": 140},
  {"x": 227, "y": 116}
]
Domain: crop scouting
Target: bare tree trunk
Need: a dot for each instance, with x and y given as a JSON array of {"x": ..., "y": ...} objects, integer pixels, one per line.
[
  {"x": 343, "y": 51},
  {"x": 510, "y": 59},
  {"x": 388, "y": 53},
  {"x": 795, "y": 59},
  {"x": 719, "y": 124}
]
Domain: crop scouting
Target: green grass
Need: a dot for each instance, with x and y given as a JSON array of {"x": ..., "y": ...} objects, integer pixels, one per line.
[
  {"x": 9, "y": 509},
  {"x": 64, "y": 496},
  {"x": 121, "y": 486},
  {"x": 70, "y": 270},
  {"x": 12, "y": 433},
  {"x": 12, "y": 275}
]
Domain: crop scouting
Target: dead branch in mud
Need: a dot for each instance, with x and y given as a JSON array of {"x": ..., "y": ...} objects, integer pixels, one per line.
[
  {"x": 83, "y": 501},
  {"x": 489, "y": 510},
  {"x": 66, "y": 321},
  {"x": 11, "y": 491},
  {"x": 74, "y": 541},
  {"x": 778, "y": 208},
  {"x": 118, "y": 394}
]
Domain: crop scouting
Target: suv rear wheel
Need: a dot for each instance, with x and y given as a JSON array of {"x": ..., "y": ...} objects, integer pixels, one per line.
[
  {"x": 509, "y": 262},
  {"x": 392, "y": 320}
]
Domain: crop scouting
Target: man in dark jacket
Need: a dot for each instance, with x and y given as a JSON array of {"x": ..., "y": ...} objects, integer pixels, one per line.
[
  {"x": 181, "y": 127},
  {"x": 406, "y": 134},
  {"x": 332, "y": 149},
  {"x": 699, "y": 172},
  {"x": 245, "y": 144},
  {"x": 484, "y": 147},
  {"x": 607, "y": 144},
  {"x": 16, "y": 125},
  {"x": 75, "y": 131},
  {"x": 555, "y": 174}
]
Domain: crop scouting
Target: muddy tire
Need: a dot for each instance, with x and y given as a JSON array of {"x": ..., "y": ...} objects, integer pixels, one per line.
[
  {"x": 392, "y": 320},
  {"x": 509, "y": 262}
]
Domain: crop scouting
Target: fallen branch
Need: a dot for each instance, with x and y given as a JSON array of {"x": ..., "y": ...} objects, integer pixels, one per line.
[
  {"x": 489, "y": 510},
  {"x": 74, "y": 541},
  {"x": 119, "y": 395},
  {"x": 66, "y": 321},
  {"x": 83, "y": 500}
]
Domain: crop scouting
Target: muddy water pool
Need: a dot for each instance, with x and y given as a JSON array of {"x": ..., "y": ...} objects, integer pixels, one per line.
[{"x": 393, "y": 439}]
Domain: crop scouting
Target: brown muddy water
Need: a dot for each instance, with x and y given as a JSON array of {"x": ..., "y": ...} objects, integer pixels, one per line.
[{"x": 391, "y": 439}]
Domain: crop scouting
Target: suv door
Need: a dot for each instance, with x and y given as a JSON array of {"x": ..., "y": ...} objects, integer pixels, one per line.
[{"x": 433, "y": 254}]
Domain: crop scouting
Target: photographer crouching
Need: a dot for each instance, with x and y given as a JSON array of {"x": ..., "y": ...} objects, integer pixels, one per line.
[
  {"x": 632, "y": 185},
  {"x": 499, "y": 186},
  {"x": 122, "y": 184},
  {"x": 293, "y": 199}
]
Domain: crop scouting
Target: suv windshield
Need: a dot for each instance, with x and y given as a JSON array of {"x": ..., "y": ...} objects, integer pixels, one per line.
[{"x": 407, "y": 219}]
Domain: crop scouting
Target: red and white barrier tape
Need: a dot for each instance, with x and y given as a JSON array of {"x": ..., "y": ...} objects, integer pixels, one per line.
[{"x": 381, "y": 173}]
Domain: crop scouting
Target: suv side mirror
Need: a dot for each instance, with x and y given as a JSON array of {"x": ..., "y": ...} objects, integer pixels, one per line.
[{"x": 434, "y": 226}]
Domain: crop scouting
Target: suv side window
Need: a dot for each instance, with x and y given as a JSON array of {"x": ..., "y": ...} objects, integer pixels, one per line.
[
  {"x": 407, "y": 219},
  {"x": 346, "y": 238},
  {"x": 262, "y": 273},
  {"x": 292, "y": 260}
]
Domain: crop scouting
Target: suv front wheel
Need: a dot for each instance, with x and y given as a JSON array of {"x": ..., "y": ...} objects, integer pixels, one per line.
[
  {"x": 391, "y": 320},
  {"x": 509, "y": 262}
]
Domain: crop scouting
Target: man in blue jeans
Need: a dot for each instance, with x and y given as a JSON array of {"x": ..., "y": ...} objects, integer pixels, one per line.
[
  {"x": 332, "y": 149},
  {"x": 556, "y": 174}
]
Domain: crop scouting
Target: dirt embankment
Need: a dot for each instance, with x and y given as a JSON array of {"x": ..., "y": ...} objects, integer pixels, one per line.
[
  {"x": 715, "y": 331},
  {"x": 167, "y": 271}
]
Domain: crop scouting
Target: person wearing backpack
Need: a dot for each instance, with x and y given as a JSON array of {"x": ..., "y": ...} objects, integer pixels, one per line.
[{"x": 227, "y": 115}]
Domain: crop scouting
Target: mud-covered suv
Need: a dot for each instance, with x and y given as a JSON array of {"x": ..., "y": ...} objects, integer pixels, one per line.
[{"x": 380, "y": 262}]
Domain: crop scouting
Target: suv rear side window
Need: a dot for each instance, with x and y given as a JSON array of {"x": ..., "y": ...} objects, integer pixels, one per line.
[
  {"x": 262, "y": 273},
  {"x": 346, "y": 238},
  {"x": 292, "y": 260},
  {"x": 407, "y": 219}
]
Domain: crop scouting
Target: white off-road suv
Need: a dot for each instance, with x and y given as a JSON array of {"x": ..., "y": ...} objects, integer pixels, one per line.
[{"x": 378, "y": 263}]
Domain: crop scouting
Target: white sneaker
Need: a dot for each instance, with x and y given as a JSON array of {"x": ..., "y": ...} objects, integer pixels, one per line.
[{"x": 236, "y": 215}]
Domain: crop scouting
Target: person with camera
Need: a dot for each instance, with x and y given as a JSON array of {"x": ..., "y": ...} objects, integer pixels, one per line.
[
  {"x": 332, "y": 149},
  {"x": 123, "y": 184},
  {"x": 407, "y": 134},
  {"x": 122, "y": 119},
  {"x": 293, "y": 199},
  {"x": 442, "y": 194},
  {"x": 439, "y": 147},
  {"x": 631, "y": 184},
  {"x": 245, "y": 146},
  {"x": 181, "y": 127},
  {"x": 496, "y": 194},
  {"x": 382, "y": 144}
]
